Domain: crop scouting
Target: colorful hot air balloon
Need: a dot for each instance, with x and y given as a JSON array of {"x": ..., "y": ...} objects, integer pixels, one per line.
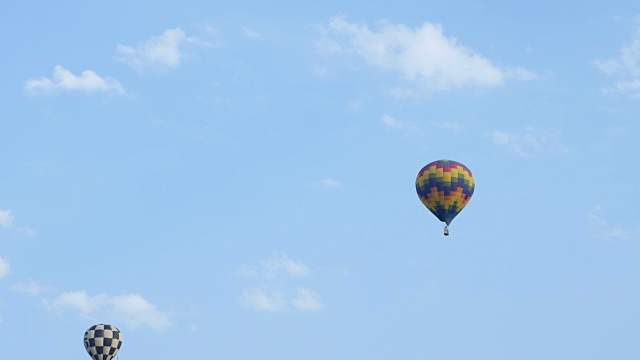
[
  {"x": 102, "y": 341},
  {"x": 445, "y": 187}
]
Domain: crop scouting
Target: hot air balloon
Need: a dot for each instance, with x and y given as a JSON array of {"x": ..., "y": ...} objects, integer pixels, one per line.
[
  {"x": 102, "y": 341},
  {"x": 445, "y": 187}
]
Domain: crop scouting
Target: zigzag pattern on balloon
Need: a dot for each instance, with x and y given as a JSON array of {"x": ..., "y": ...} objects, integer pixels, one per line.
[{"x": 445, "y": 187}]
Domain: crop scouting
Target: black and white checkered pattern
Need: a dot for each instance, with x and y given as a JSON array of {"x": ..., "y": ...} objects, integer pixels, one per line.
[{"x": 102, "y": 341}]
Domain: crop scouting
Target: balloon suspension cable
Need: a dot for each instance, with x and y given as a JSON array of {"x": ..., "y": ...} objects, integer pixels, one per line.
[{"x": 446, "y": 230}]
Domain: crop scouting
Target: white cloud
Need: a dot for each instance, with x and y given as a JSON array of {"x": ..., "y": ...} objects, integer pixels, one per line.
[
  {"x": 307, "y": 300},
  {"x": 132, "y": 309},
  {"x": 392, "y": 122},
  {"x": 626, "y": 66},
  {"x": 273, "y": 291},
  {"x": 611, "y": 136},
  {"x": 627, "y": 62},
  {"x": 78, "y": 300},
  {"x": 30, "y": 288},
  {"x": 631, "y": 88},
  {"x": 250, "y": 33},
  {"x": 6, "y": 218},
  {"x": 320, "y": 71},
  {"x": 246, "y": 271},
  {"x": 138, "y": 312},
  {"x": 424, "y": 55},
  {"x": 5, "y": 268},
  {"x": 531, "y": 143},
  {"x": 63, "y": 79},
  {"x": 210, "y": 31},
  {"x": 274, "y": 266},
  {"x": 601, "y": 228},
  {"x": 328, "y": 183},
  {"x": 454, "y": 126},
  {"x": 406, "y": 127},
  {"x": 26, "y": 231},
  {"x": 280, "y": 262},
  {"x": 159, "y": 52},
  {"x": 609, "y": 67},
  {"x": 263, "y": 300}
]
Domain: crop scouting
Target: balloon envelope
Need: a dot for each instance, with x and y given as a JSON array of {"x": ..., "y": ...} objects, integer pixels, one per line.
[
  {"x": 102, "y": 341},
  {"x": 445, "y": 187}
]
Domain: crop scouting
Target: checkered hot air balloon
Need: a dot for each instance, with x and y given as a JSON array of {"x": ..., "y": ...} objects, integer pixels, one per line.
[
  {"x": 102, "y": 341},
  {"x": 445, "y": 187}
]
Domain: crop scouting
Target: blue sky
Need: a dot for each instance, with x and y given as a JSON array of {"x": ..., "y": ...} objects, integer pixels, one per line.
[{"x": 236, "y": 180}]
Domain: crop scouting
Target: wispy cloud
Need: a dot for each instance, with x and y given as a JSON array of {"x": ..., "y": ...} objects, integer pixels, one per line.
[
  {"x": 279, "y": 262},
  {"x": 320, "y": 71},
  {"x": 273, "y": 300},
  {"x": 162, "y": 52},
  {"x": 423, "y": 55},
  {"x": 406, "y": 127},
  {"x": 625, "y": 66},
  {"x": 30, "y": 288},
  {"x": 263, "y": 300},
  {"x": 6, "y": 218},
  {"x": 5, "y": 268},
  {"x": 612, "y": 135},
  {"x": 307, "y": 300},
  {"x": 631, "y": 88},
  {"x": 250, "y": 33},
  {"x": 392, "y": 122},
  {"x": 601, "y": 228},
  {"x": 275, "y": 265},
  {"x": 65, "y": 80},
  {"x": 531, "y": 143},
  {"x": 132, "y": 309},
  {"x": 210, "y": 32},
  {"x": 272, "y": 291},
  {"x": 448, "y": 125},
  {"x": 23, "y": 231},
  {"x": 327, "y": 183},
  {"x": 7, "y": 221}
]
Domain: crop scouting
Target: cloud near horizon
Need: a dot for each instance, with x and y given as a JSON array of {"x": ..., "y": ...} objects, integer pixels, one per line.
[
  {"x": 424, "y": 55},
  {"x": 131, "y": 309}
]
